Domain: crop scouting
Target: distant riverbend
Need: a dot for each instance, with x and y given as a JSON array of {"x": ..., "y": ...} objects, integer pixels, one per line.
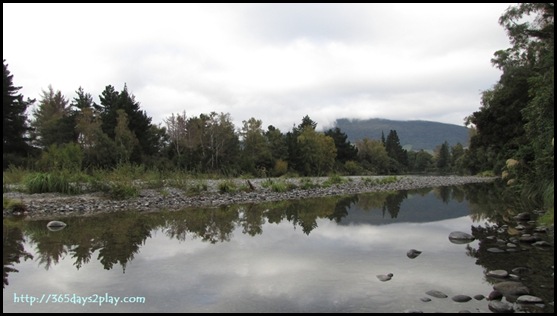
[{"x": 257, "y": 190}]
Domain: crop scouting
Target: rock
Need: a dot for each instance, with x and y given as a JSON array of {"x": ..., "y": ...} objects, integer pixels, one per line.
[
  {"x": 436, "y": 293},
  {"x": 529, "y": 299},
  {"x": 457, "y": 237},
  {"x": 522, "y": 216},
  {"x": 541, "y": 243},
  {"x": 413, "y": 253},
  {"x": 55, "y": 225},
  {"x": 479, "y": 297},
  {"x": 495, "y": 296},
  {"x": 461, "y": 298},
  {"x": 498, "y": 273},
  {"x": 384, "y": 277},
  {"x": 425, "y": 299},
  {"x": 495, "y": 250},
  {"x": 511, "y": 289},
  {"x": 500, "y": 307}
]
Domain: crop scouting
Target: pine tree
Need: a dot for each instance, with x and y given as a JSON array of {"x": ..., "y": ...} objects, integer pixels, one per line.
[
  {"x": 14, "y": 121},
  {"x": 53, "y": 123},
  {"x": 138, "y": 121}
]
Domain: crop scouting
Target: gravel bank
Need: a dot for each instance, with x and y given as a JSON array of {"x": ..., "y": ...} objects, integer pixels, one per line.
[{"x": 56, "y": 205}]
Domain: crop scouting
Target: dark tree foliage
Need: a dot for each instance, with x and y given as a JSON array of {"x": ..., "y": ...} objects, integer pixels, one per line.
[
  {"x": 444, "y": 157},
  {"x": 139, "y": 121},
  {"x": 53, "y": 121},
  {"x": 516, "y": 118},
  {"x": 295, "y": 160},
  {"x": 277, "y": 143},
  {"x": 396, "y": 152},
  {"x": 345, "y": 150},
  {"x": 15, "y": 127}
]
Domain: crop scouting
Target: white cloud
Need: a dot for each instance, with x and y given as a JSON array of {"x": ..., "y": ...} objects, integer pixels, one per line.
[{"x": 274, "y": 62}]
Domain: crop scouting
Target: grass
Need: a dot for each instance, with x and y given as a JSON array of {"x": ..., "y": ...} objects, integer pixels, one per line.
[
  {"x": 227, "y": 186},
  {"x": 53, "y": 182},
  {"x": 308, "y": 184},
  {"x": 334, "y": 179},
  {"x": 13, "y": 205},
  {"x": 380, "y": 181},
  {"x": 548, "y": 196}
]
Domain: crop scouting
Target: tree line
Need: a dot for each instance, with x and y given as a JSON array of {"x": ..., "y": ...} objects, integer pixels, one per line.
[
  {"x": 512, "y": 130},
  {"x": 82, "y": 135}
]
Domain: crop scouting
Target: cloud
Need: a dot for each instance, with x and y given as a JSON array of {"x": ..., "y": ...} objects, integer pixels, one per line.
[{"x": 274, "y": 62}]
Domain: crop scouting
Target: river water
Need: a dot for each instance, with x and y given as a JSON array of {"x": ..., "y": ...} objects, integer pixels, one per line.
[{"x": 311, "y": 255}]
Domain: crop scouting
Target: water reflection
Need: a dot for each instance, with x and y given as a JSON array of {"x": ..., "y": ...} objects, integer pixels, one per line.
[
  {"x": 14, "y": 251},
  {"x": 348, "y": 227}
]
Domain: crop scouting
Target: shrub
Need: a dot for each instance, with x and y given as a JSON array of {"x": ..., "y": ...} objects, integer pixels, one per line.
[
  {"x": 13, "y": 205},
  {"x": 353, "y": 168},
  {"x": 67, "y": 157},
  {"x": 227, "y": 186},
  {"x": 281, "y": 167}
]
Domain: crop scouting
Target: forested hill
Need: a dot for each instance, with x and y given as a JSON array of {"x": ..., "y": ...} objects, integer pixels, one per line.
[{"x": 414, "y": 135}]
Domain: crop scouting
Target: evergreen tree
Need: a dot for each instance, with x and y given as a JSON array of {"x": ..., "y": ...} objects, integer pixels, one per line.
[
  {"x": 443, "y": 157},
  {"x": 295, "y": 160},
  {"x": 395, "y": 151},
  {"x": 14, "y": 121},
  {"x": 345, "y": 150},
  {"x": 53, "y": 123},
  {"x": 138, "y": 121}
]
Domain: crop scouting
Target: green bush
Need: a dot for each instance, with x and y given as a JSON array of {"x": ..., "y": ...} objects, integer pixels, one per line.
[
  {"x": 353, "y": 168},
  {"x": 66, "y": 157}
]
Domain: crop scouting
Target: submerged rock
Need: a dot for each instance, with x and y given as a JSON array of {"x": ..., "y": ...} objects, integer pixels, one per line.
[
  {"x": 436, "y": 293},
  {"x": 384, "y": 277},
  {"x": 461, "y": 298},
  {"x": 413, "y": 253}
]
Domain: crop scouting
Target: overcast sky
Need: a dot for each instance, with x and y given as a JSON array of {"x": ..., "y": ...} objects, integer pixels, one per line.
[{"x": 274, "y": 62}]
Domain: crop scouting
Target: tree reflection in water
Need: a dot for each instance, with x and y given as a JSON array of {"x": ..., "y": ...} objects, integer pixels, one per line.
[
  {"x": 14, "y": 251},
  {"x": 117, "y": 237}
]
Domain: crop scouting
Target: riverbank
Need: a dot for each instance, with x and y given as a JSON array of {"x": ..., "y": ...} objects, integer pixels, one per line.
[{"x": 51, "y": 205}]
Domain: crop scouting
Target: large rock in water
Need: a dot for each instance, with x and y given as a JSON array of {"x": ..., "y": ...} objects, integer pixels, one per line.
[
  {"x": 55, "y": 225},
  {"x": 511, "y": 289},
  {"x": 460, "y": 237}
]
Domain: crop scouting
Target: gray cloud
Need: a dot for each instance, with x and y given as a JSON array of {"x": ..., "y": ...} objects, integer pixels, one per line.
[{"x": 274, "y": 62}]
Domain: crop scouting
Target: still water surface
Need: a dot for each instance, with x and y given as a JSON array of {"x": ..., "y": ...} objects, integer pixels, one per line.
[{"x": 313, "y": 255}]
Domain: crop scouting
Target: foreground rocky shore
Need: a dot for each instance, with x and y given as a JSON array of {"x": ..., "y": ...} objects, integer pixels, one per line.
[{"x": 170, "y": 198}]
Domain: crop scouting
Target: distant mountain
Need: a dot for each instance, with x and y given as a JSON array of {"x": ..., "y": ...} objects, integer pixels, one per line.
[{"x": 413, "y": 135}]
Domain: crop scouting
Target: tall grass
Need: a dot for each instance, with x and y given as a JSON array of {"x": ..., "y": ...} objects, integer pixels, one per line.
[
  {"x": 53, "y": 182},
  {"x": 548, "y": 196}
]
